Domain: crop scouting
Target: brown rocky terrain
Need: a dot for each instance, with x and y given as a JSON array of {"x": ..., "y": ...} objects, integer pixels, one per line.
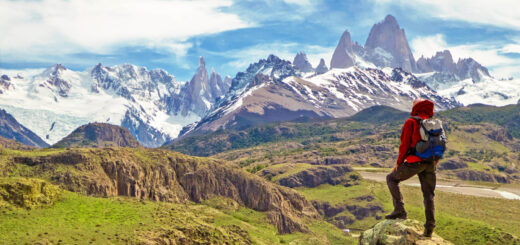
[
  {"x": 98, "y": 135},
  {"x": 165, "y": 176},
  {"x": 318, "y": 175}
]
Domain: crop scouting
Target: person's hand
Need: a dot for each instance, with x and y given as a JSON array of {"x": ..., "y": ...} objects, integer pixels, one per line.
[{"x": 395, "y": 168}]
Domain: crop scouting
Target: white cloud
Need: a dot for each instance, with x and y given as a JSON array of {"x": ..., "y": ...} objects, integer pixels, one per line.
[
  {"x": 489, "y": 55},
  {"x": 502, "y": 13},
  {"x": 61, "y": 27}
]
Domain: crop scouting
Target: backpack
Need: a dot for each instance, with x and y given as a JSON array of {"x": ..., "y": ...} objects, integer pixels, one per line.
[{"x": 432, "y": 145}]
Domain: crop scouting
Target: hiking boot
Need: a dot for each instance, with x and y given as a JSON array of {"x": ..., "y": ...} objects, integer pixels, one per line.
[
  {"x": 396, "y": 215},
  {"x": 428, "y": 232}
]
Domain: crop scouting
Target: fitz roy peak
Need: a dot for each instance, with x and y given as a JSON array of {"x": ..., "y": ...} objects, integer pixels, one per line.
[
  {"x": 151, "y": 104},
  {"x": 466, "y": 80},
  {"x": 386, "y": 46}
]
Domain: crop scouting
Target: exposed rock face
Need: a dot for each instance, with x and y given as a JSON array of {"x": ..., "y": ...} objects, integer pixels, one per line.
[
  {"x": 475, "y": 175},
  {"x": 469, "y": 68},
  {"x": 440, "y": 62},
  {"x": 302, "y": 63},
  {"x": 11, "y": 129},
  {"x": 322, "y": 67},
  {"x": 451, "y": 164},
  {"x": 27, "y": 193},
  {"x": 168, "y": 176},
  {"x": 98, "y": 135},
  {"x": 387, "y": 46},
  {"x": 402, "y": 232},
  {"x": 316, "y": 176},
  {"x": 5, "y": 83},
  {"x": 343, "y": 56},
  {"x": 56, "y": 82}
]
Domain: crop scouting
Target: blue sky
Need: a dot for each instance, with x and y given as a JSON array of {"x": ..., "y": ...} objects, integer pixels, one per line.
[{"x": 232, "y": 34}]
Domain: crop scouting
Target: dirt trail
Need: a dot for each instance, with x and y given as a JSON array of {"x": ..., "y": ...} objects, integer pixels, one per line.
[{"x": 454, "y": 186}]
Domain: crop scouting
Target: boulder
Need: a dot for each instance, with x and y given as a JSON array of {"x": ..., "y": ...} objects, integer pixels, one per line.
[
  {"x": 27, "y": 193},
  {"x": 402, "y": 232}
]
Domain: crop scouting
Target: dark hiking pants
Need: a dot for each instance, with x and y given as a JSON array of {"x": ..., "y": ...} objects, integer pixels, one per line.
[{"x": 426, "y": 172}]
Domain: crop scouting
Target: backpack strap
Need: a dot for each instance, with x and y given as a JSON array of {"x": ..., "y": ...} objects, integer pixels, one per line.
[{"x": 419, "y": 121}]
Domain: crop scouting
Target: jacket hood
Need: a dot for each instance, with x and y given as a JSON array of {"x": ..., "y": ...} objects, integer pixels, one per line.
[{"x": 424, "y": 107}]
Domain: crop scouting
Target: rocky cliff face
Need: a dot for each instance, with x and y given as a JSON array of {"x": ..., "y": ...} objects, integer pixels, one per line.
[
  {"x": 167, "y": 176},
  {"x": 469, "y": 68},
  {"x": 316, "y": 176},
  {"x": 322, "y": 67},
  {"x": 343, "y": 56},
  {"x": 11, "y": 129},
  {"x": 5, "y": 83},
  {"x": 302, "y": 63},
  {"x": 386, "y": 46},
  {"x": 98, "y": 135},
  {"x": 442, "y": 62}
]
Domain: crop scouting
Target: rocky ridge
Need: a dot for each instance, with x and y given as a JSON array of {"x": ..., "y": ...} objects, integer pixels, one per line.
[
  {"x": 272, "y": 90},
  {"x": 167, "y": 176},
  {"x": 98, "y": 135}
]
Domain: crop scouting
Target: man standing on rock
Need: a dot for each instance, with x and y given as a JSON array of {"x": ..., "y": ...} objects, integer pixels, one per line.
[{"x": 409, "y": 164}]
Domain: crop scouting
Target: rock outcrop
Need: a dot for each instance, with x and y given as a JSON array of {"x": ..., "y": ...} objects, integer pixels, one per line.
[
  {"x": 402, "y": 232},
  {"x": 440, "y": 62},
  {"x": 302, "y": 63},
  {"x": 11, "y": 129},
  {"x": 163, "y": 175},
  {"x": 321, "y": 68},
  {"x": 98, "y": 135},
  {"x": 386, "y": 46},
  {"x": 27, "y": 193},
  {"x": 343, "y": 56},
  {"x": 475, "y": 175},
  {"x": 317, "y": 175}
]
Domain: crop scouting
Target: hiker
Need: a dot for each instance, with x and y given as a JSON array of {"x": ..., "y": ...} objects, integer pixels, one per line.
[{"x": 422, "y": 145}]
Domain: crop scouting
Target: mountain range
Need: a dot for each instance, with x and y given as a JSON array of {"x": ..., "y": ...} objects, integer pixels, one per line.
[
  {"x": 156, "y": 108},
  {"x": 151, "y": 104}
]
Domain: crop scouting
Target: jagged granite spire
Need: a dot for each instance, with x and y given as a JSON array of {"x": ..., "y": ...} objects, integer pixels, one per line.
[
  {"x": 302, "y": 63},
  {"x": 322, "y": 67},
  {"x": 343, "y": 56},
  {"x": 387, "y": 46}
]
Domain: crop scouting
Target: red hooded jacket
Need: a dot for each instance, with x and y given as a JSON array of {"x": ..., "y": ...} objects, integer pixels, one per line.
[{"x": 411, "y": 134}]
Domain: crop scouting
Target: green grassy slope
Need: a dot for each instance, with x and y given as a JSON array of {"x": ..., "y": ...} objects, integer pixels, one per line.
[{"x": 123, "y": 220}]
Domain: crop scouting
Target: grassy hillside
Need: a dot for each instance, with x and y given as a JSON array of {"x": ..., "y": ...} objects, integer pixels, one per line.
[
  {"x": 138, "y": 195},
  {"x": 76, "y": 218}
]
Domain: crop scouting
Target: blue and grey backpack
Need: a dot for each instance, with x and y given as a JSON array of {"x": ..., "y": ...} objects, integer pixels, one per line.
[{"x": 432, "y": 145}]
